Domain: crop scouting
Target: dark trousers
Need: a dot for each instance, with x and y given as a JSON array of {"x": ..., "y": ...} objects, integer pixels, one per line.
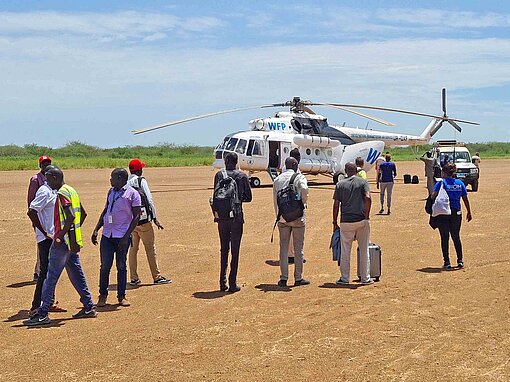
[
  {"x": 109, "y": 248},
  {"x": 230, "y": 238},
  {"x": 449, "y": 225},
  {"x": 44, "y": 254}
]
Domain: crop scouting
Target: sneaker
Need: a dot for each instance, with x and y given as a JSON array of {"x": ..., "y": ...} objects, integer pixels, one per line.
[
  {"x": 234, "y": 289},
  {"x": 101, "y": 300},
  {"x": 301, "y": 282},
  {"x": 135, "y": 282},
  {"x": 162, "y": 280},
  {"x": 460, "y": 264},
  {"x": 84, "y": 313},
  {"x": 368, "y": 282},
  {"x": 57, "y": 308},
  {"x": 36, "y": 277},
  {"x": 340, "y": 281},
  {"x": 124, "y": 302},
  {"x": 381, "y": 211},
  {"x": 447, "y": 266},
  {"x": 282, "y": 283},
  {"x": 37, "y": 320},
  {"x": 223, "y": 288},
  {"x": 389, "y": 212}
]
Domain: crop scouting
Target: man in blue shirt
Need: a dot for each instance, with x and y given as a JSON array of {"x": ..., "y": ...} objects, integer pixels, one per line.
[{"x": 385, "y": 178}]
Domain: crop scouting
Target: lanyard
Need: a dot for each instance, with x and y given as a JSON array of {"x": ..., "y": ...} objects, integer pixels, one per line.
[{"x": 116, "y": 195}]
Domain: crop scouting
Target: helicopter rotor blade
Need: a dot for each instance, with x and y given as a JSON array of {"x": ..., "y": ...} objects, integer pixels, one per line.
[
  {"x": 140, "y": 131},
  {"x": 403, "y": 112},
  {"x": 455, "y": 126},
  {"x": 381, "y": 121},
  {"x": 443, "y": 100}
]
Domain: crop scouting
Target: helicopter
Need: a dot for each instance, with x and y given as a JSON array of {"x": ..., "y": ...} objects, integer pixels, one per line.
[{"x": 324, "y": 148}]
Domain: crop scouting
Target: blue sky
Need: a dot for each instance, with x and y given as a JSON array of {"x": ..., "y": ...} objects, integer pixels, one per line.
[{"x": 93, "y": 71}]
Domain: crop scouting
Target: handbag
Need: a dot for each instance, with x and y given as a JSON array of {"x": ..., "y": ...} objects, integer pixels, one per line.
[{"x": 441, "y": 205}]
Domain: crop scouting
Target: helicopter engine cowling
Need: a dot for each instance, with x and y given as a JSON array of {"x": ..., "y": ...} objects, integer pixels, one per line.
[
  {"x": 315, "y": 166},
  {"x": 315, "y": 141}
]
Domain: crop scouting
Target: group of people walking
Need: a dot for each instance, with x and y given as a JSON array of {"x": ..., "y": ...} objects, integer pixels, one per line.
[{"x": 57, "y": 215}]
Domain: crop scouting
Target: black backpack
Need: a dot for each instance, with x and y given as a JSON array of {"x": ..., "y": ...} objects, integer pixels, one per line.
[
  {"x": 225, "y": 201},
  {"x": 290, "y": 205},
  {"x": 146, "y": 210}
]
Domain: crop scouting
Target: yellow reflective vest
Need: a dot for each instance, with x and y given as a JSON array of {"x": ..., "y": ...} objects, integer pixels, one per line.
[{"x": 70, "y": 194}]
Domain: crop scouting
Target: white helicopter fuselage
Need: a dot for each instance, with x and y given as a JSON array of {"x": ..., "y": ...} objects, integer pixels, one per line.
[{"x": 270, "y": 141}]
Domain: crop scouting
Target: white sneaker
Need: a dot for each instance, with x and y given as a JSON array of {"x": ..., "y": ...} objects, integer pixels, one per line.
[{"x": 369, "y": 281}]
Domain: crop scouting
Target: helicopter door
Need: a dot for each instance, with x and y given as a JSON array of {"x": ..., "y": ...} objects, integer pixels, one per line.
[
  {"x": 274, "y": 154},
  {"x": 285, "y": 148},
  {"x": 257, "y": 157}
]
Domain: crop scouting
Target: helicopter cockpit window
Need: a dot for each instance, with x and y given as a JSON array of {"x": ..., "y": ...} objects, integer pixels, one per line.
[
  {"x": 241, "y": 146},
  {"x": 231, "y": 145}
]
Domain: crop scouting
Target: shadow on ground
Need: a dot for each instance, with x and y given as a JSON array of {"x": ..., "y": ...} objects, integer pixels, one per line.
[
  {"x": 209, "y": 295},
  {"x": 272, "y": 288},
  {"x": 22, "y": 284}
]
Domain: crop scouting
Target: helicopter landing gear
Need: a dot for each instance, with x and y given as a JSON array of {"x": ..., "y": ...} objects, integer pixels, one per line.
[{"x": 255, "y": 182}]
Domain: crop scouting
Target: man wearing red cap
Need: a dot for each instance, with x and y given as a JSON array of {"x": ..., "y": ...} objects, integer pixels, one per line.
[
  {"x": 144, "y": 230},
  {"x": 37, "y": 181}
]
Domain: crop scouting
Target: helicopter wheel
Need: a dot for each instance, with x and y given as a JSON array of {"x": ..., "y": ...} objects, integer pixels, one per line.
[{"x": 255, "y": 182}]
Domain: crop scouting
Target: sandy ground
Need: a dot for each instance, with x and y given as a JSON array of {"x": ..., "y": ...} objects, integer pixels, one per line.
[{"x": 417, "y": 324}]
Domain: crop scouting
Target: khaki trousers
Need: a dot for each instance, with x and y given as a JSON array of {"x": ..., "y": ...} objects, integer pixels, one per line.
[
  {"x": 144, "y": 232},
  {"x": 361, "y": 232},
  {"x": 296, "y": 230}
]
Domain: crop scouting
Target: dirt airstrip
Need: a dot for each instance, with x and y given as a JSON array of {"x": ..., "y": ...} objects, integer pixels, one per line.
[{"x": 417, "y": 324}]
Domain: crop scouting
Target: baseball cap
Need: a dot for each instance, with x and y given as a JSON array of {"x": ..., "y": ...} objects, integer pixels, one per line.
[
  {"x": 44, "y": 158},
  {"x": 136, "y": 164}
]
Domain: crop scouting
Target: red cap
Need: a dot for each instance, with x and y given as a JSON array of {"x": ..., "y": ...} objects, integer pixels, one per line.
[
  {"x": 136, "y": 164},
  {"x": 44, "y": 158}
]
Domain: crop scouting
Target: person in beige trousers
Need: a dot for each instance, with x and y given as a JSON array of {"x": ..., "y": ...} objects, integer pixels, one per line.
[{"x": 144, "y": 231}]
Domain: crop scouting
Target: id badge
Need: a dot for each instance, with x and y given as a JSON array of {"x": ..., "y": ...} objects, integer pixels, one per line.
[{"x": 110, "y": 219}]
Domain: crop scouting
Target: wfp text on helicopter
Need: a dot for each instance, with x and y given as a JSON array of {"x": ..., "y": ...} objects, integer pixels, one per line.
[{"x": 324, "y": 148}]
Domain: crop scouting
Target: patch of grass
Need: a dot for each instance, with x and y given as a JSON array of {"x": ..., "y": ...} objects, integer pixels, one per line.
[{"x": 80, "y": 155}]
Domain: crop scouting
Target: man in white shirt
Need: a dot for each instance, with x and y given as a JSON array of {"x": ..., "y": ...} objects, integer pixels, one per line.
[
  {"x": 41, "y": 212},
  {"x": 144, "y": 231},
  {"x": 295, "y": 228}
]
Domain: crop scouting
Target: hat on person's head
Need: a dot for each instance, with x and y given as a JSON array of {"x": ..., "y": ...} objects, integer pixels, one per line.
[
  {"x": 136, "y": 164},
  {"x": 44, "y": 158}
]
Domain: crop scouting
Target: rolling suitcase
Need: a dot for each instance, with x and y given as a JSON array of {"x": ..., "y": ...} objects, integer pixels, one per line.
[
  {"x": 407, "y": 178},
  {"x": 374, "y": 256}
]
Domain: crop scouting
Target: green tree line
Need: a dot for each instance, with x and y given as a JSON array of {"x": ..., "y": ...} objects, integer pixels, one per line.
[{"x": 80, "y": 155}]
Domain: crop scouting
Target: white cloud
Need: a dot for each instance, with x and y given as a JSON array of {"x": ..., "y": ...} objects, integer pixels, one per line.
[
  {"x": 450, "y": 19},
  {"x": 120, "y": 25}
]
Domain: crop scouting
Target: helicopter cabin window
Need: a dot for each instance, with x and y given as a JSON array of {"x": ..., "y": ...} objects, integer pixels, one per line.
[
  {"x": 231, "y": 145},
  {"x": 257, "y": 148},
  {"x": 330, "y": 153},
  {"x": 241, "y": 146},
  {"x": 308, "y": 151},
  {"x": 317, "y": 152},
  {"x": 286, "y": 150}
]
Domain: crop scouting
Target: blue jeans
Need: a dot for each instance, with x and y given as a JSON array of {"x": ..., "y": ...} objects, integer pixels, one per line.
[
  {"x": 109, "y": 247},
  {"x": 60, "y": 258}
]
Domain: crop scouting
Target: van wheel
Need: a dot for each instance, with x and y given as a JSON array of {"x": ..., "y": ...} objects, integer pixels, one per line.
[
  {"x": 474, "y": 185},
  {"x": 255, "y": 182},
  {"x": 336, "y": 176}
]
